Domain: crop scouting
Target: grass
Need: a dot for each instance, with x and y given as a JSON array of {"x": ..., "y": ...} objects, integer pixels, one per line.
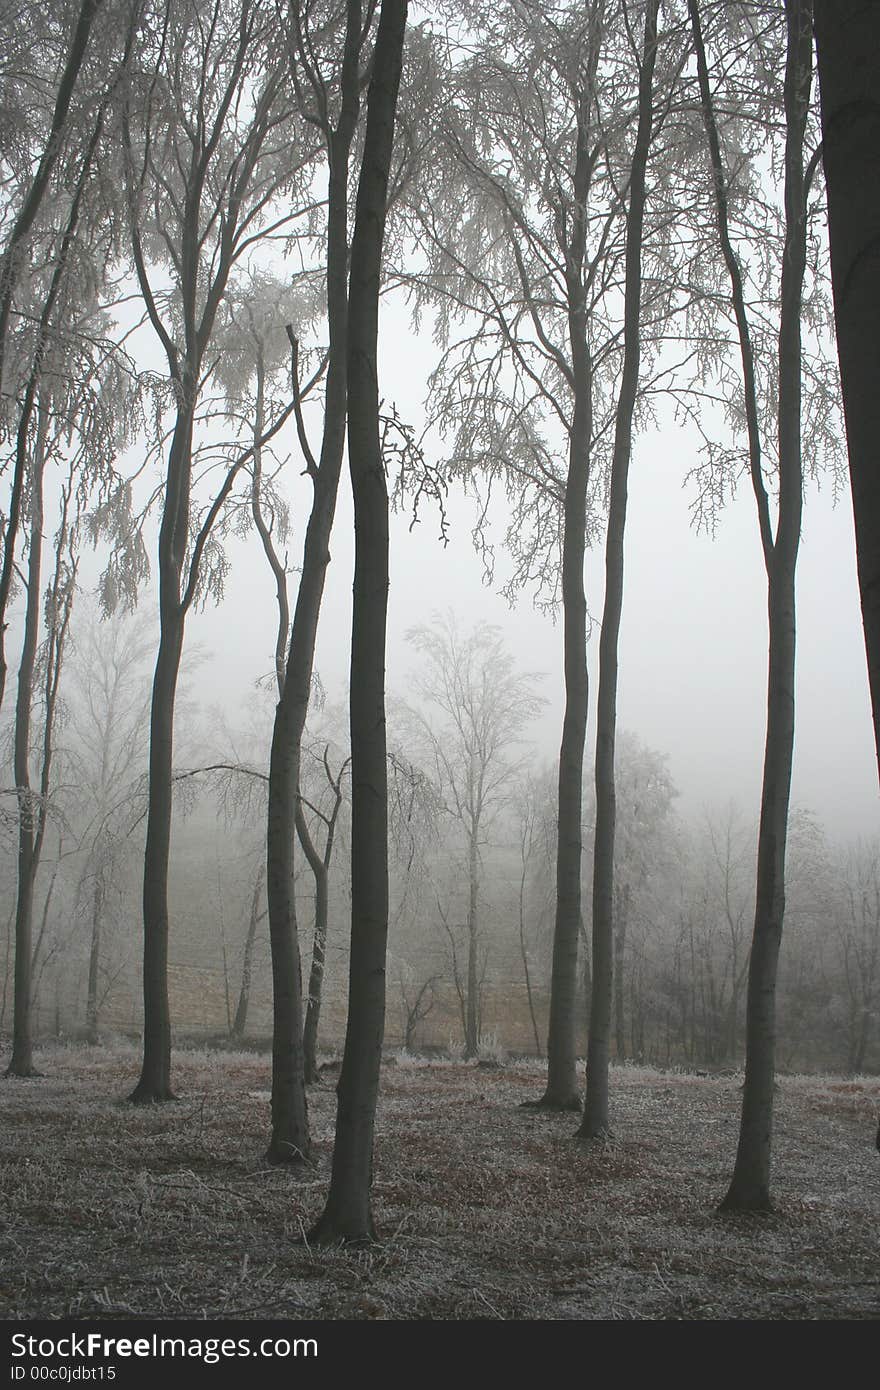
[{"x": 484, "y": 1210}]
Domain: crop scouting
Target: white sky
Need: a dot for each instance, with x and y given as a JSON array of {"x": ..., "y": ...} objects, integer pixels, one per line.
[{"x": 693, "y": 641}]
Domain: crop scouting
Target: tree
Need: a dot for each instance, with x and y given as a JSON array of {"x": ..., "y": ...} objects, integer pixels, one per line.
[
  {"x": 482, "y": 705},
  {"x": 856, "y": 942},
  {"x": 336, "y": 122},
  {"x": 257, "y": 337},
  {"x": 33, "y": 806},
  {"x": 596, "y": 1108},
  {"x": 848, "y": 51},
  {"x": 12, "y": 266},
  {"x": 347, "y": 1214},
  {"x": 524, "y": 231},
  {"x": 205, "y": 157},
  {"x": 750, "y": 1185},
  {"x": 719, "y": 893},
  {"x": 108, "y": 705},
  {"x": 534, "y": 810}
]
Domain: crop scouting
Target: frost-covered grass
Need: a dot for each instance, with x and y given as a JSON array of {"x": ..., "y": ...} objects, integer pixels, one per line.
[{"x": 484, "y": 1209}]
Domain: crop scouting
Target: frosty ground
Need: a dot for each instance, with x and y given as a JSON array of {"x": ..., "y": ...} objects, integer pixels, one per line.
[{"x": 484, "y": 1210}]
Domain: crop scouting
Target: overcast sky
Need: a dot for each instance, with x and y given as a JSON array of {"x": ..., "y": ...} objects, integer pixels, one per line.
[{"x": 693, "y": 640}]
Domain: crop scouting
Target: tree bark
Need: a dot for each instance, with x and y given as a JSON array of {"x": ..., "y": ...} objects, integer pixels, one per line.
[
  {"x": 596, "y": 1109},
  {"x": 347, "y": 1215},
  {"x": 848, "y": 50}
]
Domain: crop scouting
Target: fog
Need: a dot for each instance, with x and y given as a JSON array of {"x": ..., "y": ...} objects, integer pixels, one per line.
[{"x": 693, "y": 656}]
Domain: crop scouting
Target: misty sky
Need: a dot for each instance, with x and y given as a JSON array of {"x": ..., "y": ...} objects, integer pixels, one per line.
[{"x": 693, "y": 639}]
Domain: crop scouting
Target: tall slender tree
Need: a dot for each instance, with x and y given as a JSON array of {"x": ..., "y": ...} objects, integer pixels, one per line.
[
  {"x": 596, "y": 1107},
  {"x": 209, "y": 146},
  {"x": 337, "y": 124},
  {"x": 33, "y": 803},
  {"x": 347, "y": 1214},
  {"x": 750, "y": 1184}
]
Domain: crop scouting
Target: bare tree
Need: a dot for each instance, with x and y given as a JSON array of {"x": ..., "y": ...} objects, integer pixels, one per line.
[
  {"x": 750, "y": 1185},
  {"x": 523, "y": 232},
  {"x": 347, "y": 1214},
  {"x": 477, "y": 706},
  {"x": 206, "y": 130},
  {"x": 596, "y": 1108},
  {"x": 107, "y": 736},
  {"x": 13, "y": 267},
  {"x": 33, "y": 803},
  {"x": 332, "y": 107},
  {"x": 856, "y": 933}
]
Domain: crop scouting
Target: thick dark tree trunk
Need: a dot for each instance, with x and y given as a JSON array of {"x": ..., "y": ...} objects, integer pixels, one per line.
[
  {"x": 848, "y": 50},
  {"x": 289, "y": 1139},
  {"x": 750, "y": 1185},
  {"x": 347, "y": 1215},
  {"x": 596, "y": 1109}
]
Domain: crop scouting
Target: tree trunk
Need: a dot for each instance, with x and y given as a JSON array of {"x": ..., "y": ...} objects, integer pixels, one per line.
[
  {"x": 848, "y": 51},
  {"x": 472, "y": 1022},
  {"x": 561, "y": 1092},
  {"x": 154, "y": 1084},
  {"x": 320, "y": 870},
  {"x": 347, "y": 1215},
  {"x": 750, "y": 1185},
  {"x": 21, "y": 1063},
  {"x": 289, "y": 1140},
  {"x": 239, "y": 1022},
  {"x": 619, "y": 936},
  {"x": 525, "y": 961},
  {"x": 94, "y": 959},
  {"x": 316, "y": 981},
  {"x": 155, "y": 1080},
  {"x": 596, "y": 1109}
]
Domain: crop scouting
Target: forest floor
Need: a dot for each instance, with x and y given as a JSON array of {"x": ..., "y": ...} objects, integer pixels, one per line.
[{"x": 484, "y": 1210}]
